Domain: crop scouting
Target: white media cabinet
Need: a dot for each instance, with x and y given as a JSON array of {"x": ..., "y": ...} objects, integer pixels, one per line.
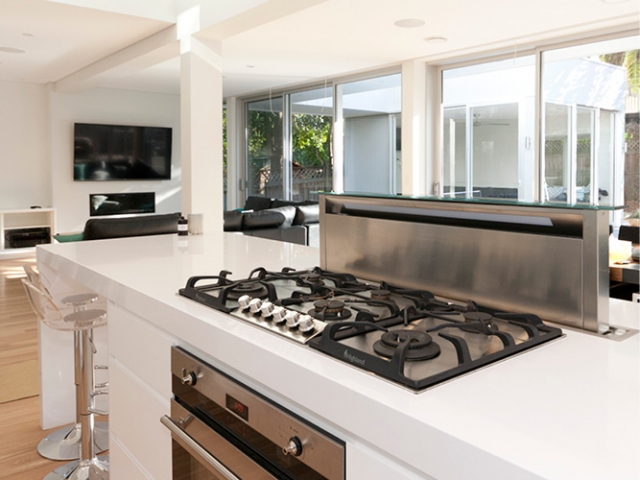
[{"x": 19, "y": 219}]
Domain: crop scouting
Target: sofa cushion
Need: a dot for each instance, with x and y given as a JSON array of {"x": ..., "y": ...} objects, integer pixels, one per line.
[
  {"x": 306, "y": 214},
  {"x": 98, "y": 228},
  {"x": 281, "y": 217},
  {"x": 257, "y": 203},
  {"x": 233, "y": 220}
]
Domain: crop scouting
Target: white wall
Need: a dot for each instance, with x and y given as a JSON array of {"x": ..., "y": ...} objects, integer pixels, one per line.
[
  {"x": 71, "y": 199},
  {"x": 24, "y": 153}
]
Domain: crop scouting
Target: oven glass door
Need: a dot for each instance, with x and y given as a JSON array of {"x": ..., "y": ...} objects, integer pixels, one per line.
[
  {"x": 200, "y": 453},
  {"x": 186, "y": 467}
]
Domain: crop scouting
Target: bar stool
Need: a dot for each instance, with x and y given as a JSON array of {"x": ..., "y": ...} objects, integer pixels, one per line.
[
  {"x": 64, "y": 443},
  {"x": 81, "y": 322}
]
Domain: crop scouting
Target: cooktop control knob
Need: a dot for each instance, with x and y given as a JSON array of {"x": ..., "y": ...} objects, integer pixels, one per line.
[
  {"x": 243, "y": 301},
  {"x": 294, "y": 447},
  {"x": 254, "y": 305},
  {"x": 266, "y": 310},
  {"x": 306, "y": 324},
  {"x": 278, "y": 314},
  {"x": 292, "y": 318}
]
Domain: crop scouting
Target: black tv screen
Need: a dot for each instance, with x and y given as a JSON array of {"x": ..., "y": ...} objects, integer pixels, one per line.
[{"x": 120, "y": 152}]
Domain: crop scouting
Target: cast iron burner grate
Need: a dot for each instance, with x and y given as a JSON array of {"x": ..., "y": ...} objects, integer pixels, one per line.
[
  {"x": 419, "y": 345},
  {"x": 394, "y": 350}
]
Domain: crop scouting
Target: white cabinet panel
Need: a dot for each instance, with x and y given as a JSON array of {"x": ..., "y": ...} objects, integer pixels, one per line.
[
  {"x": 142, "y": 348},
  {"x": 122, "y": 466},
  {"x": 134, "y": 422}
]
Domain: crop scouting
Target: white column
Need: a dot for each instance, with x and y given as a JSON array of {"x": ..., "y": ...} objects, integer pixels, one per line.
[
  {"x": 201, "y": 125},
  {"x": 414, "y": 101}
]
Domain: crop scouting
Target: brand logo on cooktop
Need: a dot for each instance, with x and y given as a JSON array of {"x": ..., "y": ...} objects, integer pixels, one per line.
[{"x": 353, "y": 359}]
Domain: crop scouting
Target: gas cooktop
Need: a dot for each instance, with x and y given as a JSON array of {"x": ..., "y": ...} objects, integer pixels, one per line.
[{"x": 407, "y": 336}]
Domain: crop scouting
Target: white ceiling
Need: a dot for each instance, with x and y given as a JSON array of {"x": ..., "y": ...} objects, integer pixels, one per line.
[{"x": 267, "y": 44}]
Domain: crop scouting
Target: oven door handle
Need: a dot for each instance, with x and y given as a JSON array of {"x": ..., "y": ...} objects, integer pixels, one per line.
[{"x": 195, "y": 450}]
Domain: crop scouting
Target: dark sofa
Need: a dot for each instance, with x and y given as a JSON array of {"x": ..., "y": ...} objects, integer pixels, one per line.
[
  {"x": 294, "y": 222},
  {"x": 135, "y": 226}
]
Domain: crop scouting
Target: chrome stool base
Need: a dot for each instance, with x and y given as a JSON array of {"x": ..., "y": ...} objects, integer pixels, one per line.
[
  {"x": 64, "y": 443},
  {"x": 95, "y": 469}
]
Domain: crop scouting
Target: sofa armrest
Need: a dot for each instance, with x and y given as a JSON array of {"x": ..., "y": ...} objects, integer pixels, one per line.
[
  {"x": 233, "y": 220},
  {"x": 306, "y": 214}
]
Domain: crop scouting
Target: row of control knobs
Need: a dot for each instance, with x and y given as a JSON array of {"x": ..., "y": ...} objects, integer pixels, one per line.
[{"x": 279, "y": 315}]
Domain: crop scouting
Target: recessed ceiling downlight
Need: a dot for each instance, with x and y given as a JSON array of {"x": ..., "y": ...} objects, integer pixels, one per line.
[
  {"x": 435, "y": 39},
  {"x": 12, "y": 50},
  {"x": 409, "y": 23}
]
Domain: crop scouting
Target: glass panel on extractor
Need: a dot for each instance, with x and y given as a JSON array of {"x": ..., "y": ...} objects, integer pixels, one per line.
[
  {"x": 605, "y": 157},
  {"x": 311, "y": 143},
  {"x": 584, "y": 153},
  {"x": 371, "y": 110},
  {"x": 265, "y": 146},
  {"x": 496, "y": 132},
  {"x": 557, "y": 152}
]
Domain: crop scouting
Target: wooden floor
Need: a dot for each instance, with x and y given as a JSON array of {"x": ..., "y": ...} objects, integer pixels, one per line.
[
  {"x": 18, "y": 334},
  {"x": 19, "y": 435},
  {"x": 20, "y": 410}
]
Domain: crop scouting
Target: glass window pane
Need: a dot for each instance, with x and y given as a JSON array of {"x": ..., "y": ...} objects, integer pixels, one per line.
[
  {"x": 598, "y": 85},
  {"x": 371, "y": 111},
  {"x": 491, "y": 108},
  {"x": 312, "y": 140},
  {"x": 265, "y": 148},
  {"x": 495, "y": 151},
  {"x": 454, "y": 151}
]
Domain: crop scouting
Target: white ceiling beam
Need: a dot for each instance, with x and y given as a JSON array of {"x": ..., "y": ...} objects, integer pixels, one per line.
[
  {"x": 163, "y": 10},
  {"x": 253, "y": 17},
  {"x": 152, "y": 50}
]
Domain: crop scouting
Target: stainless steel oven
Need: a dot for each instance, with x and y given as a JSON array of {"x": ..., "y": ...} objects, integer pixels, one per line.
[{"x": 221, "y": 429}]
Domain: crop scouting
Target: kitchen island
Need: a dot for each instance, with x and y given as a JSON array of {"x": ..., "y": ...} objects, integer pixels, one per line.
[{"x": 567, "y": 409}]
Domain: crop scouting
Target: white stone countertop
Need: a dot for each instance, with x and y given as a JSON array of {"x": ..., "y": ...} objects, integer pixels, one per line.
[{"x": 569, "y": 409}]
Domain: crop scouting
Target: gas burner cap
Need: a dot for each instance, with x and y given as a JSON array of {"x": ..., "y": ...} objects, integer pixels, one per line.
[
  {"x": 329, "y": 306},
  {"x": 314, "y": 278},
  {"x": 255, "y": 289},
  {"x": 421, "y": 345},
  {"x": 479, "y": 322},
  {"x": 329, "y": 310},
  {"x": 380, "y": 294}
]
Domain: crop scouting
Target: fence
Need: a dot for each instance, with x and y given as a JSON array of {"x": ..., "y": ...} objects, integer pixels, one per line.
[{"x": 305, "y": 182}]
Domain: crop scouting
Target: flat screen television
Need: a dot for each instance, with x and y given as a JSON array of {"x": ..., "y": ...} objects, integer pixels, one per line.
[{"x": 121, "y": 152}]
